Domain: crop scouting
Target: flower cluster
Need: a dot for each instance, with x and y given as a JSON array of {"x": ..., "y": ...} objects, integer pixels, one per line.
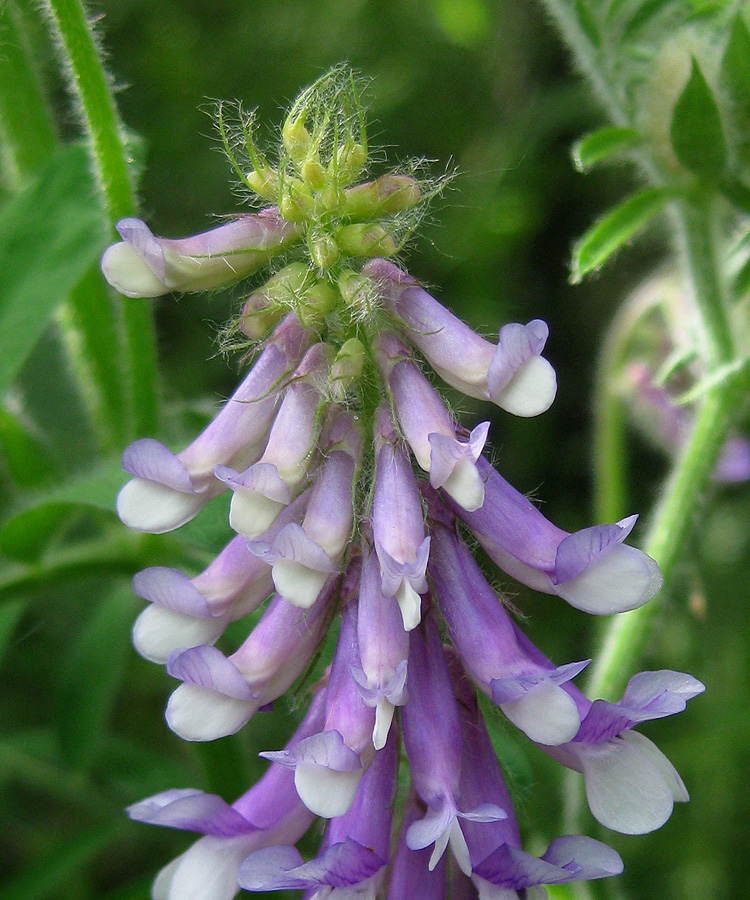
[{"x": 352, "y": 488}]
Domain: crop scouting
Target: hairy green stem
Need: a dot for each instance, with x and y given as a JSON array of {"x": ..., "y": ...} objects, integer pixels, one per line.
[{"x": 109, "y": 153}]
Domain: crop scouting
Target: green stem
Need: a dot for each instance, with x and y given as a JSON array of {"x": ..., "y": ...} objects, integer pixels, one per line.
[
  {"x": 671, "y": 527},
  {"x": 91, "y": 86}
]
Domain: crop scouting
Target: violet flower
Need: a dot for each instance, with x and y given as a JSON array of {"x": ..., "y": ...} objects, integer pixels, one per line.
[
  {"x": 220, "y": 694},
  {"x": 429, "y": 429},
  {"x": 185, "y": 612},
  {"x": 383, "y": 649},
  {"x": 329, "y": 766},
  {"x": 303, "y": 556},
  {"x": 411, "y": 867},
  {"x": 397, "y": 522},
  {"x": 513, "y": 374},
  {"x": 592, "y": 569},
  {"x": 631, "y": 786},
  {"x": 355, "y": 850},
  {"x": 530, "y": 694},
  {"x": 269, "y": 813},
  {"x": 169, "y": 490},
  {"x": 146, "y": 266},
  {"x": 263, "y": 489},
  {"x": 432, "y": 736}
]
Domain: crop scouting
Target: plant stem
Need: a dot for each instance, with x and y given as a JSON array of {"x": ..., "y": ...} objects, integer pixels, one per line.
[{"x": 91, "y": 86}]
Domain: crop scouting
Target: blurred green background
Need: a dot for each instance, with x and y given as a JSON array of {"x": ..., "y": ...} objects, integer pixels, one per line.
[{"x": 480, "y": 86}]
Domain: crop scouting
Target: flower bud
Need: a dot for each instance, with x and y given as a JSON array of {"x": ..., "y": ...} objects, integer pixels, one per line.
[
  {"x": 387, "y": 194},
  {"x": 365, "y": 240},
  {"x": 347, "y": 367}
]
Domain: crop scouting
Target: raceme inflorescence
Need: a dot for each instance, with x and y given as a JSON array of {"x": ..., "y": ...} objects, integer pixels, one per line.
[{"x": 354, "y": 491}]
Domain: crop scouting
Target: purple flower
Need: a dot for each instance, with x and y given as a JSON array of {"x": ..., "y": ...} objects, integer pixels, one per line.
[
  {"x": 266, "y": 487},
  {"x": 398, "y": 523},
  {"x": 530, "y": 693},
  {"x": 411, "y": 867},
  {"x": 630, "y": 784},
  {"x": 220, "y": 694},
  {"x": 185, "y": 612},
  {"x": 146, "y": 266},
  {"x": 383, "y": 650},
  {"x": 169, "y": 490},
  {"x": 329, "y": 766},
  {"x": 592, "y": 569},
  {"x": 495, "y": 847},
  {"x": 303, "y": 556},
  {"x": 513, "y": 374},
  {"x": 356, "y": 847},
  {"x": 429, "y": 429},
  {"x": 432, "y": 735},
  {"x": 269, "y": 813}
]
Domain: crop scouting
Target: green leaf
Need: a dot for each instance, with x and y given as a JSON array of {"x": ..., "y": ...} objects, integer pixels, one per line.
[
  {"x": 696, "y": 131},
  {"x": 26, "y": 534},
  {"x": 91, "y": 677},
  {"x": 741, "y": 284},
  {"x": 615, "y": 229},
  {"x": 602, "y": 144},
  {"x": 28, "y": 463},
  {"x": 51, "y": 232},
  {"x": 643, "y": 16},
  {"x": 735, "y": 80}
]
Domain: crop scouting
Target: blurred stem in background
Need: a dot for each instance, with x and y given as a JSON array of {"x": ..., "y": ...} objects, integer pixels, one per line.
[{"x": 694, "y": 220}]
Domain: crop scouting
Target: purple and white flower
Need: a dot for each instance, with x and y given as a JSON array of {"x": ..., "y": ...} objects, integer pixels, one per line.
[
  {"x": 142, "y": 265},
  {"x": 514, "y": 375}
]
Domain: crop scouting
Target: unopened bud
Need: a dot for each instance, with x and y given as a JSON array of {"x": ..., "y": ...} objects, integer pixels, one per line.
[
  {"x": 384, "y": 196},
  {"x": 265, "y": 183},
  {"x": 313, "y": 174},
  {"x": 365, "y": 240},
  {"x": 316, "y": 303},
  {"x": 350, "y": 160},
  {"x": 324, "y": 250},
  {"x": 347, "y": 367},
  {"x": 265, "y": 307},
  {"x": 296, "y": 139}
]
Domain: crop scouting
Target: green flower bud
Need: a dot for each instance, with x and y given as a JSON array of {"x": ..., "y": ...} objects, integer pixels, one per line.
[
  {"x": 350, "y": 160},
  {"x": 324, "y": 250},
  {"x": 384, "y": 196},
  {"x": 313, "y": 174},
  {"x": 265, "y": 183},
  {"x": 296, "y": 139},
  {"x": 365, "y": 240},
  {"x": 265, "y": 307},
  {"x": 316, "y": 303},
  {"x": 347, "y": 368}
]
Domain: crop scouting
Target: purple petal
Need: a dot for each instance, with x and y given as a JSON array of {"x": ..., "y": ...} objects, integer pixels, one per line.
[
  {"x": 140, "y": 236},
  {"x": 172, "y": 589},
  {"x": 326, "y": 749},
  {"x": 153, "y": 461},
  {"x": 294, "y": 545},
  {"x": 191, "y": 810},
  {"x": 263, "y": 478},
  {"x": 579, "y": 550},
  {"x": 505, "y": 690},
  {"x": 208, "y": 667}
]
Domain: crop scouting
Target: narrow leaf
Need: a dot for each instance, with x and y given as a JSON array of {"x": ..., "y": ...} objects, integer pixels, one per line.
[
  {"x": 91, "y": 677},
  {"x": 10, "y": 616},
  {"x": 51, "y": 232},
  {"x": 602, "y": 144},
  {"x": 696, "y": 131},
  {"x": 25, "y": 534},
  {"x": 28, "y": 463},
  {"x": 615, "y": 229}
]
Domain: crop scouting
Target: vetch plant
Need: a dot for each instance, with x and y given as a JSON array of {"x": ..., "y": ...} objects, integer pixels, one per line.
[{"x": 354, "y": 491}]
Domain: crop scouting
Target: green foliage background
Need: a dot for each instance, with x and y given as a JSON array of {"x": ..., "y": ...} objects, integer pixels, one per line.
[{"x": 483, "y": 86}]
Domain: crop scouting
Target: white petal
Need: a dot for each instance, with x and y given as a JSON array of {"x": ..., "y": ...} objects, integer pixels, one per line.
[
  {"x": 383, "y": 718},
  {"x": 668, "y": 772},
  {"x": 208, "y": 869},
  {"x": 125, "y": 270},
  {"x": 296, "y": 583},
  {"x": 459, "y": 848},
  {"x": 622, "y": 578},
  {"x": 158, "y": 631},
  {"x": 410, "y": 604},
  {"x": 162, "y": 882},
  {"x": 251, "y": 514},
  {"x": 531, "y": 390},
  {"x": 326, "y": 792},
  {"x": 197, "y": 713},
  {"x": 489, "y": 891},
  {"x": 546, "y": 713},
  {"x": 465, "y": 485},
  {"x": 625, "y": 787},
  {"x": 155, "y": 508}
]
